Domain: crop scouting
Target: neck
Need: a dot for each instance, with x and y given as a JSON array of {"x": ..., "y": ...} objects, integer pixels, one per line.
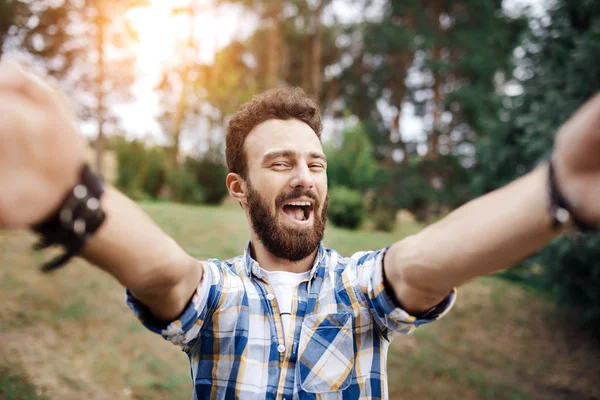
[{"x": 269, "y": 262}]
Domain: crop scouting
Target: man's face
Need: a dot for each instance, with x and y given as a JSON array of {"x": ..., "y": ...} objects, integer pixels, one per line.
[{"x": 287, "y": 187}]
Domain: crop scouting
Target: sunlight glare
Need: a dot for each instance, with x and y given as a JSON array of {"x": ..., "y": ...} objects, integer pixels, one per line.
[{"x": 161, "y": 34}]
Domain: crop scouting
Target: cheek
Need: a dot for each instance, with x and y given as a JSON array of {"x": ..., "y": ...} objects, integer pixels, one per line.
[
  {"x": 268, "y": 187},
  {"x": 322, "y": 188}
]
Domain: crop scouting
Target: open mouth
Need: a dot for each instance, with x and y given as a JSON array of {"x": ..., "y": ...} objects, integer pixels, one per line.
[{"x": 299, "y": 211}]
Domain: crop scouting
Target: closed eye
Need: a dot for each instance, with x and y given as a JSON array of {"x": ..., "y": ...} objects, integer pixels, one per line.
[{"x": 280, "y": 165}]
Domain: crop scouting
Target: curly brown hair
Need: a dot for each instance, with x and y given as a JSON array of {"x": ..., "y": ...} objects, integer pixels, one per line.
[{"x": 286, "y": 103}]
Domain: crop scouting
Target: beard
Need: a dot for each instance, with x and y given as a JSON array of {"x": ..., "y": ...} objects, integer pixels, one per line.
[{"x": 285, "y": 242}]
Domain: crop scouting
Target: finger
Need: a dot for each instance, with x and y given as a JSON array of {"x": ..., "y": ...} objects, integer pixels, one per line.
[{"x": 14, "y": 77}]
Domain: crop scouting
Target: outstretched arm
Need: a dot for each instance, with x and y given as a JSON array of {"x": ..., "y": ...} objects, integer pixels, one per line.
[
  {"x": 133, "y": 249},
  {"x": 498, "y": 230},
  {"x": 41, "y": 153}
]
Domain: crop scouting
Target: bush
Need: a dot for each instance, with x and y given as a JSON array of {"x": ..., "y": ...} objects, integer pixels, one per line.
[
  {"x": 155, "y": 172},
  {"x": 572, "y": 273},
  {"x": 352, "y": 164},
  {"x": 346, "y": 207},
  {"x": 210, "y": 173},
  {"x": 384, "y": 219},
  {"x": 183, "y": 187},
  {"x": 142, "y": 172},
  {"x": 130, "y": 161}
]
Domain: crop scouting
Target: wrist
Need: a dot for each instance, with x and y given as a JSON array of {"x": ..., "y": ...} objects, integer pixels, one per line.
[
  {"x": 567, "y": 199},
  {"x": 75, "y": 220},
  {"x": 58, "y": 188}
]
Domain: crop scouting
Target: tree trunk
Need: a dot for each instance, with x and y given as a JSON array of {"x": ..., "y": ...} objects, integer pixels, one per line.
[
  {"x": 317, "y": 53},
  {"x": 436, "y": 55},
  {"x": 179, "y": 116},
  {"x": 101, "y": 20},
  {"x": 182, "y": 104},
  {"x": 274, "y": 45},
  {"x": 401, "y": 61},
  {"x": 307, "y": 63}
]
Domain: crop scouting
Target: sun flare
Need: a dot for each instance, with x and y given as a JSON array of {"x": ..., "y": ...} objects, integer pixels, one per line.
[{"x": 162, "y": 32}]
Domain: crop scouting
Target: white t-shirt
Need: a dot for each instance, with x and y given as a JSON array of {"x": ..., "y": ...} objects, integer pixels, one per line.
[{"x": 284, "y": 286}]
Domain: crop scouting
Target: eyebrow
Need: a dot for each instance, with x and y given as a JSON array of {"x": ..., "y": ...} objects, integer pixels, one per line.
[
  {"x": 320, "y": 156},
  {"x": 288, "y": 154}
]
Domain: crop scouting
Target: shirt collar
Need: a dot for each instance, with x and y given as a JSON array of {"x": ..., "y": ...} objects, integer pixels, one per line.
[{"x": 252, "y": 268}]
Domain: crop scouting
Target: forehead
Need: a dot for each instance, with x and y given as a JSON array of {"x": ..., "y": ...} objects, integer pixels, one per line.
[{"x": 276, "y": 135}]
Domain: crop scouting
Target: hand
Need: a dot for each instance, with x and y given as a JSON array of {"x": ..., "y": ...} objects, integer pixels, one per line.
[
  {"x": 41, "y": 151},
  {"x": 576, "y": 159}
]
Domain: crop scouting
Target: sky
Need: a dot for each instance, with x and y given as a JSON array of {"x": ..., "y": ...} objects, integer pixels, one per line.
[{"x": 214, "y": 28}]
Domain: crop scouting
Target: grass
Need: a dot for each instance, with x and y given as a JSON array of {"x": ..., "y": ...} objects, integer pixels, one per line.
[
  {"x": 69, "y": 335},
  {"x": 16, "y": 387}
]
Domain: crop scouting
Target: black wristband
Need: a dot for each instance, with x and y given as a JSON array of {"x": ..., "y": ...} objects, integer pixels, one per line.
[
  {"x": 75, "y": 221},
  {"x": 560, "y": 208}
]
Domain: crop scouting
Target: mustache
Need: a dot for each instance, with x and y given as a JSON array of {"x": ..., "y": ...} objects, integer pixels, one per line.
[{"x": 294, "y": 194}]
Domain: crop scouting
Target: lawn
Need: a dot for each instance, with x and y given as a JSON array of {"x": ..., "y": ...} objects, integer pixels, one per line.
[{"x": 69, "y": 335}]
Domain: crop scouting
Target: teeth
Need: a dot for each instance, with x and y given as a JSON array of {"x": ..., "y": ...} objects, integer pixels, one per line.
[{"x": 298, "y": 203}]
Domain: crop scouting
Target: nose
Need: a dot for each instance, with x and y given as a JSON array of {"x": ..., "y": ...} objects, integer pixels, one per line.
[{"x": 302, "y": 177}]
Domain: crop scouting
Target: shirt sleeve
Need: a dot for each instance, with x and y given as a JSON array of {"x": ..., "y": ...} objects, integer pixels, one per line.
[
  {"x": 389, "y": 316},
  {"x": 186, "y": 328}
]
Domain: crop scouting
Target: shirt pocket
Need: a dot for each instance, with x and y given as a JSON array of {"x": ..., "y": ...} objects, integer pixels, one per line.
[{"x": 326, "y": 353}]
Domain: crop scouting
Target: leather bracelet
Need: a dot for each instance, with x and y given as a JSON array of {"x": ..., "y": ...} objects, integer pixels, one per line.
[
  {"x": 75, "y": 221},
  {"x": 561, "y": 210}
]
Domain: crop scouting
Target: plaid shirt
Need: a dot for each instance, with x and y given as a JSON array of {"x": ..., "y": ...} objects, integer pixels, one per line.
[{"x": 342, "y": 324}]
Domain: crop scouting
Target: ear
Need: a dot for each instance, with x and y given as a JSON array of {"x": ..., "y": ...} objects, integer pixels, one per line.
[{"x": 237, "y": 187}]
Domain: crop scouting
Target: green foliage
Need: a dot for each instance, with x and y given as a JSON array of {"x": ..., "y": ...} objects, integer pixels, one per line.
[
  {"x": 572, "y": 272},
  {"x": 427, "y": 188},
  {"x": 131, "y": 159},
  {"x": 346, "y": 207},
  {"x": 459, "y": 50},
  {"x": 559, "y": 71},
  {"x": 16, "y": 386},
  {"x": 352, "y": 164},
  {"x": 142, "y": 172},
  {"x": 155, "y": 173},
  {"x": 210, "y": 173},
  {"x": 183, "y": 186}
]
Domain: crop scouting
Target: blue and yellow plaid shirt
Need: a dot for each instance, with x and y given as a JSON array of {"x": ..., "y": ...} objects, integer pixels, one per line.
[{"x": 342, "y": 323}]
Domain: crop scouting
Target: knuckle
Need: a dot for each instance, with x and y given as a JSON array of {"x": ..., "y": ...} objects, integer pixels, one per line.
[
  {"x": 15, "y": 75},
  {"x": 13, "y": 68}
]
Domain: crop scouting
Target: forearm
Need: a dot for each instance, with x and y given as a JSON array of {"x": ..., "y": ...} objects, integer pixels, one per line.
[
  {"x": 490, "y": 233},
  {"x": 133, "y": 249}
]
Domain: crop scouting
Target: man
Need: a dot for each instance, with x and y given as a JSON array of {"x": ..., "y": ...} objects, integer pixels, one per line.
[{"x": 288, "y": 319}]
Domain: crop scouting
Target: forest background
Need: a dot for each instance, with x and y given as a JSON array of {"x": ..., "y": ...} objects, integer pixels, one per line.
[{"x": 426, "y": 103}]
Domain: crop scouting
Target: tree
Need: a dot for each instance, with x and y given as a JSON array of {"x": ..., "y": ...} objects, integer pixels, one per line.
[
  {"x": 177, "y": 88},
  {"x": 246, "y": 66},
  {"x": 292, "y": 45},
  {"x": 86, "y": 45},
  {"x": 445, "y": 59},
  {"x": 104, "y": 59},
  {"x": 558, "y": 71}
]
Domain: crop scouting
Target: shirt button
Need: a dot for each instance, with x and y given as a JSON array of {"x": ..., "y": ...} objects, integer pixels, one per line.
[
  {"x": 281, "y": 348},
  {"x": 270, "y": 296}
]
